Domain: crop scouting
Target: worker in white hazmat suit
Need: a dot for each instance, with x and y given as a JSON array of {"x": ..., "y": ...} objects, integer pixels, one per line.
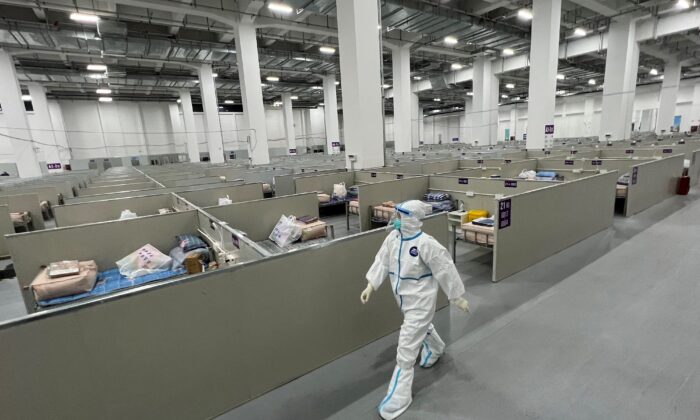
[{"x": 416, "y": 264}]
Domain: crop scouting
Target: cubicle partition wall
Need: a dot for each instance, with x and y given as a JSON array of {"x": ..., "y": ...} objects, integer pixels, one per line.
[
  {"x": 192, "y": 181},
  {"x": 104, "y": 210},
  {"x": 150, "y": 191},
  {"x": 323, "y": 183},
  {"x": 44, "y": 193},
  {"x": 652, "y": 182},
  {"x": 485, "y": 185},
  {"x": 369, "y": 177},
  {"x": 542, "y": 222},
  {"x": 413, "y": 188},
  {"x": 25, "y": 202},
  {"x": 258, "y": 218},
  {"x": 212, "y": 338},
  {"x": 210, "y": 196},
  {"x": 104, "y": 242},
  {"x": 6, "y": 228},
  {"x": 117, "y": 188}
]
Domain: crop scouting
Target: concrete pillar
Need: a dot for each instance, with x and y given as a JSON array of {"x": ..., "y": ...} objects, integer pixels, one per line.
[
  {"x": 330, "y": 114},
  {"x": 59, "y": 132},
  {"x": 513, "y": 122},
  {"x": 483, "y": 116},
  {"x": 43, "y": 131},
  {"x": 289, "y": 123},
  {"x": 668, "y": 96},
  {"x": 178, "y": 129},
  {"x": 588, "y": 110},
  {"x": 215, "y": 144},
  {"x": 544, "y": 57},
  {"x": 421, "y": 125},
  {"x": 620, "y": 80},
  {"x": 360, "y": 65},
  {"x": 190, "y": 129},
  {"x": 16, "y": 119},
  {"x": 416, "y": 120},
  {"x": 695, "y": 109},
  {"x": 251, "y": 91},
  {"x": 401, "y": 66}
]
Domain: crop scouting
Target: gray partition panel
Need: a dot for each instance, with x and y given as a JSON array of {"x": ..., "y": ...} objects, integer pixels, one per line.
[
  {"x": 44, "y": 193},
  {"x": 694, "y": 169},
  {"x": 25, "y": 202},
  {"x": 237, "y": 193},
  {"x": 284, "y": 184},
  {"x": 484, "y": 185},
  {"x": 6, "y": 228},
  {"x": 104, "y": 210},
  {"x": 655, "y": 182},
  {"x": 104, "y": 242},
  {"x": 546, "y": 221},
  {"x": 440, "y": 167},
  {"x": 218, "y": 339},
  {"x": 396, "y": 191},
  {"x": 258, "y": 218},
  {"x": 117, "y": 188},
  {"x": 362, "y": 177},
  {"x": 150, "y": 191},
  {"x": 323, "y": 182}
]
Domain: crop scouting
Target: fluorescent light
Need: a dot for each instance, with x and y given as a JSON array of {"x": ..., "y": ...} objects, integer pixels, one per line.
[
  {"x": 81, "y": 17},
  {"x": 326, "y": 50},
  {"x": 504, "y": 96},
  {"x": 385, "y": 86},
  {"x": 417, "y": 78},
  {"x": 450, "y": 40},
  {"x": 179, "y": 101},
  {"x": 580, "y": 32},
  {"x": 470, "y": 93},
  {"x": 321, "y": 104},
  {"x": 591, "y": 81},
  {"x": 96, "y": 75},
  {"x": 525, "y": 14},
  {"x": 303, "y": 59},
  {"x": 228, "y": 101},
  {"x": 437, "y": 99},
  {"x": 294, "y": 98},
  {"x": 317, "y": 87},
  {"x": 26, "y": 98},
  {"x": 508, "y": 51},
  {"x": 510, "y": 86},
  {"x": 517, "y": 98},
  {"x": 104, "y": 99},
  {"x": 272, "y": 79},
  {"x": 215, "y": 75},
  {"x": 96, "y": 67},
  {"x": 337, "y": 83},
  {"x": 456, "y": 66},
  {"x": 103, "y": 91},
  {"x": 683, "y": 4},
  {"x": 653, "y": 72},
  {"x": 277, "y": 103},
  {"x": 280, "y": 8},
  {"x": 661, "y": 77},
  {"x": 561, "y": 92},
  {"x": 560, "y": 76}
]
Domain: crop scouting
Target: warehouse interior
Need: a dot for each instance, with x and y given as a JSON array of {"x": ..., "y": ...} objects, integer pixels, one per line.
[{"x": 201, "y": 201}]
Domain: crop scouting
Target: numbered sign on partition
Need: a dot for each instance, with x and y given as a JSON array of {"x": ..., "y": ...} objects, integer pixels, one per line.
[
  {"x": 235, "y": 240},
  {"x": 455, "y": 139},
  {"x": 666, "y": 151},
  {"x": 335, "y": 147},
  {"x": 463, "y": 181},
  {"x": 292, "y": 152},
  {"x": 635, "y": 170},
  {"x": 596, "y": 162},
  {"x": 568, "y": 162},
  {"x": 507, "y": 161},
  {"x": 480, "y": 161},
  {"x": 504, "y": 213},
  {"x": 549, "y": 135},
  {"x": 399, "y": 176},
  {"x": 373, "y": 174},
  {"x": 629, "y": 151},
  {"x": 53, "y": 165},
  {"x": 509, "y": 183}
]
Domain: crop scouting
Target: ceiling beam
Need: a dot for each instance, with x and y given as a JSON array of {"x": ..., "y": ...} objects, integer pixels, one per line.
[{"x": 597, "y": 7}]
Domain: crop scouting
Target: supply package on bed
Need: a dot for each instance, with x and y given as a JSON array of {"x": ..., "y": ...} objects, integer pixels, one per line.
[
  {"x": 339, "y": 191},
  {"x": 63, "y": 268},
  {"x": 323, "y": 198},
  {"x": 476, "y": 214},
  {"x": 286, "y": 231},
  {"x": 145, "y": 260},
  {"x": 312, "y": 230},
  {"x": 479, "y": 231},
  {"x": 46, "y": 287}
]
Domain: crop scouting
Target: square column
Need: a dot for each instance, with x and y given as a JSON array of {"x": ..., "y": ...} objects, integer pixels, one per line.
[
  {"x": 695, "y": 109},
  {"x": 16, "y": 119},
  {"x": 588, "y": 110},
  {"x": 251, "y": 92},
  {"x": 513, "y": 122},
  {"x": 620, "y": 80},
  {"x": 544, "y": 57},
  {"x": 43, "y": 131},
  {"x": 401, "y": 65},
  {"x": 483, "y": 116},
  {"x": 360, "y": 66},
  {"x": 330, "y": 114},
  {"x": 215, "y": 143},
  {"x": 416, "y": 121},
  {"x": 190, "y": 129},
  {"x": 289, "y": 123},
  {"x": 668, "y": 96}
]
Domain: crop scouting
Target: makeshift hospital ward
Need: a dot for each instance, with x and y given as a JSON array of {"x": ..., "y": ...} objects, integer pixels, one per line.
[{"x": 326, "y": 209}]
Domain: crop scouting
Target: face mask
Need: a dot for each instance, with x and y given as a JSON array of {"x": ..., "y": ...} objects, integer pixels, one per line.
[{"x": 397, "y": 224}]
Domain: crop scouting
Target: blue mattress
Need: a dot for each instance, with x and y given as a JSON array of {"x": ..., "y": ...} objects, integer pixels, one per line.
[{"x": 111, "y": 281}]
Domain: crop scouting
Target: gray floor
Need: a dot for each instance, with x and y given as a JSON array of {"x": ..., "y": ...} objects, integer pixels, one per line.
[{"x": 606, "y": 329}]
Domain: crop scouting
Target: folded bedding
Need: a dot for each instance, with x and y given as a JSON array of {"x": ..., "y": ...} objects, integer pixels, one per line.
[
  {"x": 354, "y": 207},
  {"x": 445, "y": 205},
  {"x": 21, "y": 217},
  {"x": 437, "y": 196},
  {"x": 481, "y": 235},
  {"x": 624, "y": 180},
  {"x": 111, "y": 281}
]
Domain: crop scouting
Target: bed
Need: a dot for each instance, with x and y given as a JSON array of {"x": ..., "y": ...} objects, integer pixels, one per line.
[
  {"x": 621, "y": 191},
  {"x": 46, "y": 210},
  {"x": 21, "y": 219},
  {"x": 478, "y": 235},
  {"x": 111, "y": 281}
]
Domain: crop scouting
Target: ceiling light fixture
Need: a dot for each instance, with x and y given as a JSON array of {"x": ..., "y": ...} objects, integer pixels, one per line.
[
  {"x": 215, "y": 75},
  {"x": 228, "y": 101},
  {"x": 385, "y": 86},
  {"x": 105, "y": 99},
  {"x": 277, "y": 103},
  {"x": 280, "y": 8},
  {"x": 456, "y": 66},
  {"x": 272, "y": 79},
  {"x": 653, "y": 72},
  {"x": 683, "y": 4},
  {"x": 83, "y": 18},
  {"x": 450, "y": 40},
  {"x": 561, "y": 92},
  {"x": 510, "y": 86},
  {"x": 103, "y": 91},
  {"x": 97, "y": 75},
  {"x": 326, "y": 50},
  {"x": 525, "y": 14},
  {"x": 580, "y": 32},
  {"x": 337, "y": 83},
  {"x": 470, "y": 93},
  {"x": 504, "y": 96},
  {"x": 321, "y": 104},
  {"x": 560, "y": 76},
  {"x": 96, "y": 67},
  {"x": 661, "y": 77},
  {"x": 317, "y": 87},
  {"x": 437, "y": 99},
  {"x": 179, "y": 101},
  {"x": 591, "y": 81},
  {"x": 26, "y": 98},
  {"x": 294, "y": 98},
  {"x": 417, "y": 78},
  {"x": 508, "y": 51}
]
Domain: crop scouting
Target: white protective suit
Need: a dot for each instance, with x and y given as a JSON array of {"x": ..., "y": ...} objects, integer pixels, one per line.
[{"x": 416, "y": 264}]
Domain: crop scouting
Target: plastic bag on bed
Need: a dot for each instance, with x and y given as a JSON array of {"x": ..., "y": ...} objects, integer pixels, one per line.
[
  {"x": 224, "y": 200},
  {"x": 145, "y": 260},
  {"x": 339, "y": 191},
  {"x": 127, "y": 214},
  {"x": 286, "y": 231}
]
